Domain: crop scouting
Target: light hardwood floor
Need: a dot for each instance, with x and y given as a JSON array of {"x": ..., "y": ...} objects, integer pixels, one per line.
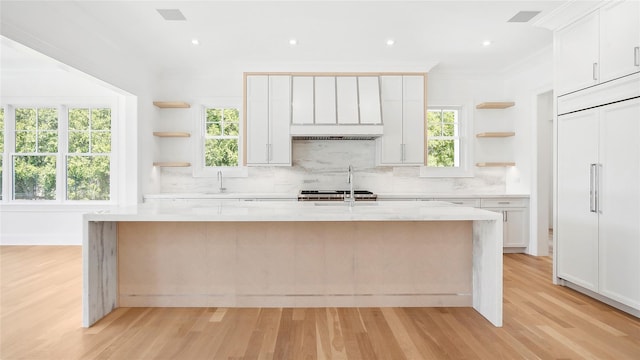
[{"x": 41, "y": 311}]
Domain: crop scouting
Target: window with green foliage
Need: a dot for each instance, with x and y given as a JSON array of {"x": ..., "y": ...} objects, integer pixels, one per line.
[
  {"x": 222, "y": 133},
  {"x": 56, "y": 153},
  {"x": 443, "y": 137},
  {"x": 35, "y": 158},
  {"x": 88, "y": 157}
]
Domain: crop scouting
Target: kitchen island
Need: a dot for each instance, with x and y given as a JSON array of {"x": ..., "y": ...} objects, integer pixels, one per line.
[{"x": 292, "y": 254}]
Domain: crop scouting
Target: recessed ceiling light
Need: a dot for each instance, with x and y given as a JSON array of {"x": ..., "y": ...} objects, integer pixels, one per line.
[
  {"x": 195, "y": 42},
  {"x": 293, "y": 42},
  {"x": 486, "y": 43},
  {"x": 390, "y": 42}
]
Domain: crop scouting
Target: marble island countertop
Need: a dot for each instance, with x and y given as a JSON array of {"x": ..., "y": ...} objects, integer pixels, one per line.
[
  {"x": 294, "y": 211},
  {"x": 294, "y": 196}
]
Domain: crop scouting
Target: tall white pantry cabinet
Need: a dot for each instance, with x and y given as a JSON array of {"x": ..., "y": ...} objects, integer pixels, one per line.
[{"x": 598, "y": 165}]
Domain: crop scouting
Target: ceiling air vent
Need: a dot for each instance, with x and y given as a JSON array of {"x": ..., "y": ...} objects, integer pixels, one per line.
[
  {"x": 171, "y": 14},
  {"x": 523, "y": 16}
]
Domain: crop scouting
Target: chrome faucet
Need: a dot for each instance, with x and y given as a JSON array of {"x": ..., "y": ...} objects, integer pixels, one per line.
[
  {"x": 352, "y": 198},
  {"x": 220, "y": 188}
]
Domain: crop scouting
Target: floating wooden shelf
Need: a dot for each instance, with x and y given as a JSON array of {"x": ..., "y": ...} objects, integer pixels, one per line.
[
  {"x": 171, "y": 134},
  {"x": 172, "y": 164},
  {"x": 495, "y": 134},
  {"x": 171, "y": 104},
  {"x": 495, "y": 105},
  {"x": 495, "y": 164}
]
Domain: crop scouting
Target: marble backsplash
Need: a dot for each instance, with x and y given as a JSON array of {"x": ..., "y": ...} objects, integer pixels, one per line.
[{"x": 322, "y": 164}]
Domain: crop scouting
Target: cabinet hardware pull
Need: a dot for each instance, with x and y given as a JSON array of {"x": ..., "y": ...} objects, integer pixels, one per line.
[
  {"x": 636, "y": 56},
  {"x": 504, "y": 216},
  {"x": 595, "y": 71},
  {"x": 597, "y": 190},
  {"x": 504, "y": 202},
  {"x": 592, "y": 198}
]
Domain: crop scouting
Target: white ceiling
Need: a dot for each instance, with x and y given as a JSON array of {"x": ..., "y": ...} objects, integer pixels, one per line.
[{"x": 448, "y": 33}]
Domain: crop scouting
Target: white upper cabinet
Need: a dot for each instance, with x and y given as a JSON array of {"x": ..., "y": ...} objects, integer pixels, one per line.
[
  {"x": 601, "y": 46},
  {"x": 369, "y": 99},
  {"x": 619, "y": 39},
  {"x": 403, "y": 111},
  {"x": 576, "y": 49},
  {"x": 347, "y": 100},
  {"x": 302, "y": 100},
  {"x": 325, "y": 100},
  {"x": 267, "y": 118}
]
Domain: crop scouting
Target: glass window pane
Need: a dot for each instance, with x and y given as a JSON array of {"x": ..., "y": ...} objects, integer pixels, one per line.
[
  {"x": 34, "y": 177},
  {"x": 101, "y": 119},
  {"x": 231, "y": 115},
  {"x": 214, "y": 115},
  {"x": 100, "y": 142},
  {"x": 1, "y": 189},
  {"x": 47, "y": 141},
  {"x": 449, "y": 116},
  {"x": 440, "y": 153},
  {"x": 231, "y": 128},
  {"x": 88, "y": 177},
  {"x": 434, "y": 125},
  {"x": 47, "y": 119},
  {"x": 78, "y": 141},
  {"x": 78, "y": 119},
  {"x": 25, "y": 119},
  {"x": 448, "y": 129},
  {"x": 25, "y": 141},
  {"x": 221, "y": 152},
  {"x": 214, "y": 129}
]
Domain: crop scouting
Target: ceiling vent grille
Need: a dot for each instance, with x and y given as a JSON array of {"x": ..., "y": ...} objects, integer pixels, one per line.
[
  {"x": 171, "y": 14},
  {"x": 523, "y": 16}
]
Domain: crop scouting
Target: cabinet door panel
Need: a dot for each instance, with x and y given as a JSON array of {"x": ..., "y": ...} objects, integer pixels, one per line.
[
  {"x": 619, "y": 36},
  {"x": 302, "y": 100},
  {"x": 577, "y": 226},
  {"x": 369, "y": 99},
  {"x": 516, "y": 229},
  {"x": 257, "y": 119},
  {"x": 279, "y": 119},
  {"x": 325, "y": 95},
  {"x": 391, "y": 142},
  {"x": 347, "y": 100},
  {"x": 413, "y": 111},
  {"x": 576, "y": 50},
  {"x": 620, "y": 202}
]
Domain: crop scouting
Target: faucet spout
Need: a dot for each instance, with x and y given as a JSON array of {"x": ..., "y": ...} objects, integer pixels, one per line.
[
  {"x": 220, "y": 187},
  {"x": 352, "y": 198}
]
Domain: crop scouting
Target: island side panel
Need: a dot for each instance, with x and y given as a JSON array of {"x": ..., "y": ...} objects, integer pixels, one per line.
[
  {"x": 396, "y": 263},
  {"x": 99, "y": 275},
  {"x": 487, "y": 269}
]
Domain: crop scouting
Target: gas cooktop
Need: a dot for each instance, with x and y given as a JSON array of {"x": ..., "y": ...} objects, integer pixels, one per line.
[{"x": 335, "y": 195}]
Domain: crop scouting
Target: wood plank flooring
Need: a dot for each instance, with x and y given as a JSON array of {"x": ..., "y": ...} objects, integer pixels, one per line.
[{"x": 40, "y": 316}]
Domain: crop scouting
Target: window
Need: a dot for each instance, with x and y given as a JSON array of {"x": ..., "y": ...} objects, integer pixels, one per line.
[
  {"x": 443, "y": 137},
  {"x": 222, "y": 133},
  {"x": 35, "y": 158},
  {"x": 447, "y": 143},
  {"x": 56, "y": 153},
  {"x": 88, "y": 160}
]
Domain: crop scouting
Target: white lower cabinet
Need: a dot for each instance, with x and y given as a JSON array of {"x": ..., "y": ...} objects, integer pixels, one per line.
[
  {"x": 515, "y": 232},
  {"x": 598, "y": 210}
]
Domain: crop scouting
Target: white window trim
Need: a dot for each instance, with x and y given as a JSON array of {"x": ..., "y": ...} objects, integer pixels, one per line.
[
  {"x": 465, "y": 168},
  {"x": 62, "y": 104},
  {"x": 199, "y": 170}
]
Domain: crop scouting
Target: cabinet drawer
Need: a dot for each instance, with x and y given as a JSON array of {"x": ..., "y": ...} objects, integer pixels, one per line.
[
  {"x": 504, "y": 203},
  {"x": 463, "y": 202}
]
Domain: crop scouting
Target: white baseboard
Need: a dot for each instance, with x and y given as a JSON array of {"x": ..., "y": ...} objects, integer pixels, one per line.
[{"x": 41, "y": 239}]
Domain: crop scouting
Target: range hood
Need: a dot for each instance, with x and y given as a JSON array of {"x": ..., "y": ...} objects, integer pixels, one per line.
[{"x": 336, "y": 132}]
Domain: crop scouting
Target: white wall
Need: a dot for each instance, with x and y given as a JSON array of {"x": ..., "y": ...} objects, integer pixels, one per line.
[
  {"x": 316, "y": 164},
  {"x": 53, "y": 224},
  {"x": 525, "y": 81}
]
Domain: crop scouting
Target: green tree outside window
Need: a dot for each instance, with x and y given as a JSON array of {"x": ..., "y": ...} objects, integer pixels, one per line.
[
  {"x": 443, "y": 138},
  {"x": 222, "y": 126}
]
